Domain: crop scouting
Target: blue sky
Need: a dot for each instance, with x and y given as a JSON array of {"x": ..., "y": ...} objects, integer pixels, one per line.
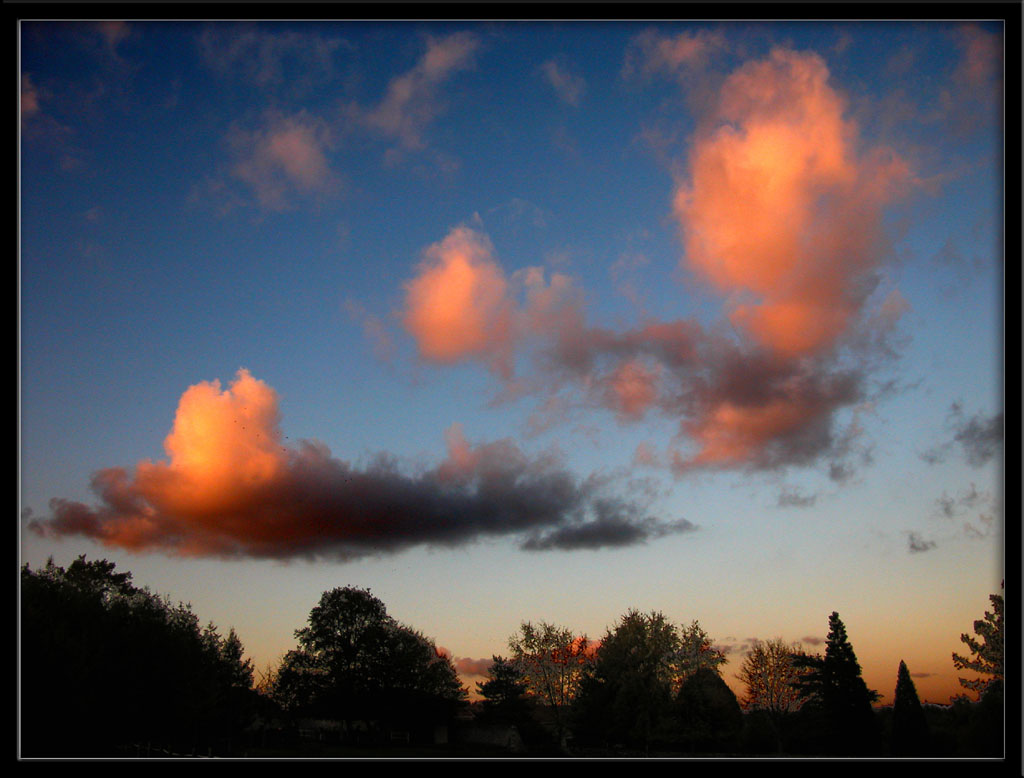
[{"x": 543, "y": 321}]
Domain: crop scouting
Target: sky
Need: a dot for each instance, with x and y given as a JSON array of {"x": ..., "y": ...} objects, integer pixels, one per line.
[{"x": 522, "y": 321}]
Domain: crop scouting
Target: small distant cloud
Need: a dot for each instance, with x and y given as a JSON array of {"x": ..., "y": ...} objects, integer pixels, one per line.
[
  {"x": 29, "y": 98},
  {"x": 916, "y": 544},
  {"x": 266, "y": 58},
  {"x": 651, "y": 53},
  {"x": 414, "y": 99},
  {"x": 569, "y": 87},
  {"x": 794, "y": 498},
  {"x": 285, "y": 158},
  {"x": 472, "y": 667},
  {"x": 812, "y": 640},
  {"x": 980, "y": 437}
]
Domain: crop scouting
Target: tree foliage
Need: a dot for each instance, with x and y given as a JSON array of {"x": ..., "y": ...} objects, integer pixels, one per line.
[
  {"x": 354, "y": 661},
  {"x": 106, "y": 666},
  {"x": 626, "y": 696},
  {"x": 772, "y": 678},
  {"x": 986, "y": 650},
  {"x": 696, "y": 651},
  {"x": 552, "y": 661}
]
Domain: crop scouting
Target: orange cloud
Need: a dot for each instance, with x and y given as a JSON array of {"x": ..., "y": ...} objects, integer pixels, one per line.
[
  {"x": 458, "y": 305},
  {"x": 231, "y": 487},
  {"x": 782, "y": 211}
]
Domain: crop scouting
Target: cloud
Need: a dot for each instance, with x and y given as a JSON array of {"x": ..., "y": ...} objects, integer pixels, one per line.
[
  {"x": 264, "y": 58},
  {"x": 781, "y": 211},
  {"x": 29, "y": 98},
  {"x": 569, "y": 87},
  {"x": 794, "y": 498},
  {"x": 233, "y": 487},
  {"x": 980, "y": 437},
  {"x": 917, "y": 544},
  {"x": 472, "y": 667},
  {"x": 285, "y": 158},
  {"x": 652, "y": 53},
  {"x": 412, "y": 100},
  {"x": 458, "y": 305}
]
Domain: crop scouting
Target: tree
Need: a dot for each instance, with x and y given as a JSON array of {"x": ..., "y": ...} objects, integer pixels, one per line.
[
  {"x": 909, "y": 725},
  {"x": 709, "y": 712},
  {"x": 626, "y": 695},
  {"x": 504, "y": 692},
  {"x": 354, "y": 661},
  {"x": 695, "y": 651},
  {"x": 987, "y": 650},
  {"x": 772, "y": 677},
  {"x": 834, "y": 686},
  {"x": 107, "y": 666},
  {"x": 552, "y": 661}
]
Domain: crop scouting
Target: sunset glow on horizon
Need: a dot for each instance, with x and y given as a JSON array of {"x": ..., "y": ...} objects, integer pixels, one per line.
[{"x": 516, "y": 322}]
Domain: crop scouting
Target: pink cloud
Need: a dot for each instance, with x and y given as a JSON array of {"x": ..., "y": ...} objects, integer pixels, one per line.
[
  {"x": 781, "y": 209},
  {"x": 412, "y": 99},
  {"x": 287, "y": 157}
]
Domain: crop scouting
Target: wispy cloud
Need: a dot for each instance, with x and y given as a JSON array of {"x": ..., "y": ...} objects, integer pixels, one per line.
[
  {"x": 916, "y": 544},
  {"x": 285, "y": 158},
  {"x": 233, "y": 487},
  {"x": 297, "y": 60},
  {"x": 414, "y": 99},
  {"x": 651, "y": 52},
  {"x": 979, "y": 437},
  {"x": 569, "y": 87}
]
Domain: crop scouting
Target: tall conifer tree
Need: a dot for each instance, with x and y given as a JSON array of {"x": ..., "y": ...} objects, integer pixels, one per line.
[
  {"x": 834, "y": 684},
  {"x": 909, "y": 725}
]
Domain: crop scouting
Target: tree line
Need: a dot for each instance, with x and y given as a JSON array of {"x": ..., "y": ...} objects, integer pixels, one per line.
[{"x": 108, "y": 669}]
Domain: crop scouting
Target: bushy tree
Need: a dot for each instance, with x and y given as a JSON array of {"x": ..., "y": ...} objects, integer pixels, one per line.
[
  {"x": 695, "y": 651},
  {"x": 552, "y": 661},
  {"x": 772, "y": 679},
  {"x": 106, "y": 667},
  {"x": 986, "y": 649},
  {"x": 834, "y": 687},
  {"x": 626, "y": 696},
  {"x": 909, "y": 725},
  {"x": 355, "y": 662}
]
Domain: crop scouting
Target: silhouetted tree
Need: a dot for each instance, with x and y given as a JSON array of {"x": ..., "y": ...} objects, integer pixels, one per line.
[
  {"x": 504, "y": 692},
  {"x": 987, "y": 651},
  {"x": 772, "y": 678},
  {"x": 355, "y": 662},
  {"x": 552, "y": 661},
  {"x": 834, "y": 687},
  {"x": 709, "y": 713},
  {"x": 909, "y": 726},
  {"x": 626, "y": 695},
  {"x": 106, "y": 666},
  {"x": 695, "y": 651}
]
